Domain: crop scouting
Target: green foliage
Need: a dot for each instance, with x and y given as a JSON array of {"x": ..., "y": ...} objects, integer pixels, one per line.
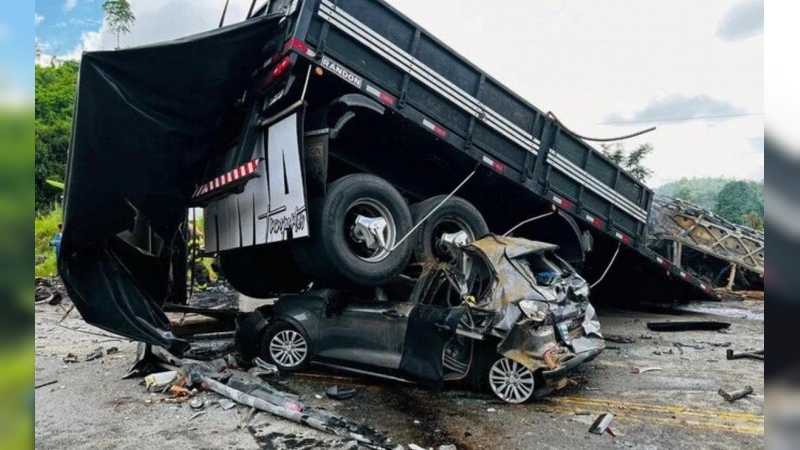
[
  {"x": 55, "y": 103},
  {"x": 737, "y": 200},
  {"x": 632, "y": 161},
  {"x": 44, "y": 230},
  {"x": 754, "y": 220},
  {"x": 118, "y": 17},
  {"x": 700, "y": 191}
]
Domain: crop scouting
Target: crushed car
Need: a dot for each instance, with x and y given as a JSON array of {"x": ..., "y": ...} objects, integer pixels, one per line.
[{"x": 509, "y": 315}]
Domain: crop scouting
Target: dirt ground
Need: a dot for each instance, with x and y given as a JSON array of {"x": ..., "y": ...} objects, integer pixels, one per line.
[{"x": 90, "y": 406}]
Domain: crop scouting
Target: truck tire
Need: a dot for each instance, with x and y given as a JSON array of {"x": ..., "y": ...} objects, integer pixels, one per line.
[
  {"x": 263, "y": 271},
  {"x": 338, "y": 252},
  {"x": 453, "y": 216}
]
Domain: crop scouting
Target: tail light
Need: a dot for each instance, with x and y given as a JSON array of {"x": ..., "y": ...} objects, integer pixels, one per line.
[{"x": 278, "y": 71}]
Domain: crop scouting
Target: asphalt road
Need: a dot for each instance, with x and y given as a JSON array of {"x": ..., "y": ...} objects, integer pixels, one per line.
[{"x": 673, "y": 407}]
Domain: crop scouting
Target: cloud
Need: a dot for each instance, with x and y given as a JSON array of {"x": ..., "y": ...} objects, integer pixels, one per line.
[
  {"x": 69, "y": 5},
  {"x": 37, "y": 18},
  {"x": 155, "y": 22},
  {"x": 743, "y": 20},
  {"x": 678, "y": 108}
]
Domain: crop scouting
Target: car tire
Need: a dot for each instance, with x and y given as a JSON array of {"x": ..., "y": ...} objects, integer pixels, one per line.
[
  {"x": 510, "y": 381},
  {"x": 263, "y": 271},
  {"x": 286, "y": 347},
  {"x": 337, "y": 253},
  {"x": 455, "y": 215}
]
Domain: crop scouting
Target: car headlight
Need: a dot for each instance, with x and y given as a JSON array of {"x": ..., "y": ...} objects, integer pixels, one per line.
[{"x": 536, "y": 311}]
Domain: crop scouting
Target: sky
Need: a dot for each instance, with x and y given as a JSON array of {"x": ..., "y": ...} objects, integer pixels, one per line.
[{"x": 606, "y": 68}]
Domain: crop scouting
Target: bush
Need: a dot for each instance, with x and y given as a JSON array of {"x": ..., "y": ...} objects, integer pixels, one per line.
[{"x": 45, "y": 229}]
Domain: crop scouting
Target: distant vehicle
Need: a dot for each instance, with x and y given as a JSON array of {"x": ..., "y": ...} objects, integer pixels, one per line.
[{"x": 517, "y": 323}]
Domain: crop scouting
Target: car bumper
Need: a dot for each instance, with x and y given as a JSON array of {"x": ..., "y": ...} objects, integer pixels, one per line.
[{"x": 590, "y": 349}]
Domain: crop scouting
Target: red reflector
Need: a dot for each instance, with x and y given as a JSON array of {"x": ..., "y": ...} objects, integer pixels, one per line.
[
  {"x": 566, "y": 204},
  {"x": 625, "y": 239},
  {"x": 281, "y": 68},
  {"x": 497, "y": 166},
  {"x": 386, "y": 98},
  {"x": 441, "y": 132},
  {"x": 663, "y": 262},
  {"x": 594, "y": 221},
  {"x": 300, "y": 46}
]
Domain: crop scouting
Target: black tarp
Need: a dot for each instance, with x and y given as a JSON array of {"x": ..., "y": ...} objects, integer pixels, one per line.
[{"x": 144, "y": 120}]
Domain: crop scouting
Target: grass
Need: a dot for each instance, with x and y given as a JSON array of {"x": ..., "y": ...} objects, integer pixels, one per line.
[{"x": 45, "y": 228}]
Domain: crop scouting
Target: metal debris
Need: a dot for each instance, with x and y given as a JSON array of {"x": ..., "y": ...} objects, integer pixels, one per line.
[
  {"x": 688, "y": 326},
  {"x": 47, "y": 383},
  {"x": 755, "y": 354},
  {"x": 637, "y": 371},
  {"x": 196, "y": 415},
  {"x": 197, "y": 403},
  {"x": 340, "y": 392},
  {"x": 736, "y": 395},
  {"x": 603, "y": 425},
  {"x": 70, "y": 358},
  {"x": 96, "y": 354},
  {"x": 226, "y": 404}
]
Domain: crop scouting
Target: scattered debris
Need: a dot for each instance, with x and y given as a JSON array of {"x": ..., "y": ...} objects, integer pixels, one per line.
[
  {"x": 197, "y": 403},
  {"x": 694, "y": 346},
  {"x": 196, "y": 415},
  {"x": 688, "y": 326},
  {"x": 491, "y": 410},
  {"x": 47, "y": 383},
  {"x": 112, "y": 350},
  {"x": 735, "y": 395},
  {"x": 448, "y": 447},
  {"x": 96, "y": 354},
  {"x": 657, "y": 352},
  {"x": 755, "y": 354},
  {"x": 71, "y": 358},
  {"x": 49, "y": 290},
  {"x": 161, "y": 380},
  {"x": 619, "y": 339},
  {"x": 637, "y": 371},
  {"x": 226, "y": 404},
  {"x": 337, "y": 392},
  {"x": 603, "y": 425}
]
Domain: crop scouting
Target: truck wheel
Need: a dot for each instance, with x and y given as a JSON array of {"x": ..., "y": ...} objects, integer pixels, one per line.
[
  {"x": 354, "y": 229},
  {"x": 263, "y": 271},
  {"x": 286, "y": 347},
  {"x": 456, "y": 218}
]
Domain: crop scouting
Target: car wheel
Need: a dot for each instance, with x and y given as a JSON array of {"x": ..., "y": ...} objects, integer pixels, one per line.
[
  {"x": 263, "y": 271},
  {"x": 286, "y": 347},
  {"x": 354, "y": 229},
  {"x": 456, "y": 218},
  {"x": 510, "y": 381}
]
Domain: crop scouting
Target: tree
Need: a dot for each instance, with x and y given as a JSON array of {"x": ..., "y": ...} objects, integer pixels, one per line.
[
  {"x": 118, "y": 17},
  {"x": 737, "y": 199},
  {"x": 632, "y": 161},
  {"x": 754, "y": 220}
]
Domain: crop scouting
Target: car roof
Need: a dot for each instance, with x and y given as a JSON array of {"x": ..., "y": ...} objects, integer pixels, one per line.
[{"x": 496, "y": 247}]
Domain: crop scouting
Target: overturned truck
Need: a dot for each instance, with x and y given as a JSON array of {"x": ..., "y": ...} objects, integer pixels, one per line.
[{"x": 329, "y": 142}]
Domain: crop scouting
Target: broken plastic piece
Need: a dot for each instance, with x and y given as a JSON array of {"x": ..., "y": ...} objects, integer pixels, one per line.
[
  {"x": 688, "y": 326},
  {"x": 161, "y": 380},
  {"x": 602, "y": 425},
  {"x": 340, "y": 392}
]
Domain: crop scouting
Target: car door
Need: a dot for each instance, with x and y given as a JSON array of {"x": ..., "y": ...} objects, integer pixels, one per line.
[{"x": 367, "y": 333}]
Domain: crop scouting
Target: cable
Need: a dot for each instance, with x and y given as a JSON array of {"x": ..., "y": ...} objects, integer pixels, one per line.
[
  {"x": 434, "y": 209},
  {"x": 602, "y": 277},
  {"x": 621, "y": 138},
  {"x": 525, "y": 222}
]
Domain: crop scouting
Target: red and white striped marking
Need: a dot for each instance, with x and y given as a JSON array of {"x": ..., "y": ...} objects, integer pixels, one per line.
[
  {"x": 497, "y": 166},
  {"x": 380, "y": 95},
  {"x": 685, "y": 275},
  {"x": 662, "y": 261},
  {"x": 594, "y": 221},
  {"x": 561, "y": 202},
  {"x": 224, "y": 179},
  {"x": 624, "y": 238},
  {"x": 441, "y": 132},
  {"x": 300, "y": 46}
]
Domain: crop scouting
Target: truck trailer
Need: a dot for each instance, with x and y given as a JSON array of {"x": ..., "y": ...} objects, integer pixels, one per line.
[{"x": 332, "y": 142}]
